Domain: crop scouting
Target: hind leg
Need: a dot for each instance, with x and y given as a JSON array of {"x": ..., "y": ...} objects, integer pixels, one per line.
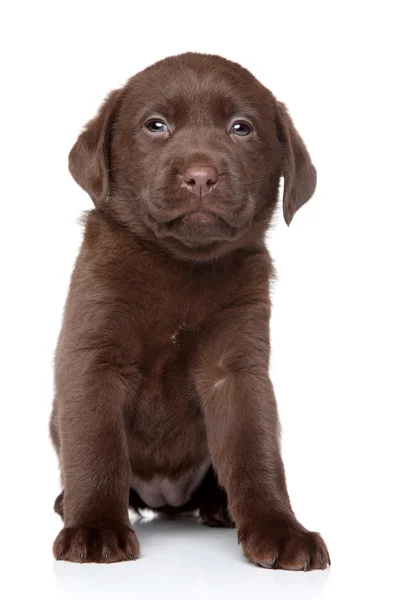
[
  {"x": 55, "y": 438},
  {"x": 59, "y": 505},
  {"x": 213, "y": 502}
]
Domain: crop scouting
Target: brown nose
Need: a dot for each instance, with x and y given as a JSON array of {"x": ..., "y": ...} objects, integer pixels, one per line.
[{"x": 201, "y": 180}]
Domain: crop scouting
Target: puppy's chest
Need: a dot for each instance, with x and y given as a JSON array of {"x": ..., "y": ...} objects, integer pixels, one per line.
[
  {"x": 167, "y": 350},
  {"x": 167, "y": 411},
  {"x": 171, "y": 313},
  {"x": 170, "y": 319},
  {"x": 171, "y": 338}
]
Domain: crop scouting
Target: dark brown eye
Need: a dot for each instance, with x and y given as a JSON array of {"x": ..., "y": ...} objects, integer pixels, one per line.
[
  {"x": 241, "y": 129},
  {"x": 156, "y": 126}
]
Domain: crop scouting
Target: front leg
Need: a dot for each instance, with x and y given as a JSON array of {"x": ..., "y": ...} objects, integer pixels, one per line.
[
  {"x": 95, "y": 463},
  {"x": 231, "y": 375}
]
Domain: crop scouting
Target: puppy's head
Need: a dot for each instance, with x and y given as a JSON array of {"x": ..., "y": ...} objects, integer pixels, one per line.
[{"x": 190, "y": 153}]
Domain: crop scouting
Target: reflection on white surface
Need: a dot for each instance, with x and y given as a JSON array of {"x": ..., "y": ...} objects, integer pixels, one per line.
[{"x": 185, "y": 559}]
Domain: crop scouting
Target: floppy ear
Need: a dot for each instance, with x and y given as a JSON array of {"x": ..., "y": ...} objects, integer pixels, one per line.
[
  {"x": 88, "y": 160},
  {"x": 298, "y": 171}
]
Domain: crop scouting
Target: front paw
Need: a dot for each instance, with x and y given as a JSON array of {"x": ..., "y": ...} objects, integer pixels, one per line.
[
  {"x": 99, "y": 544},
  {"x": 282, "y": 543}
]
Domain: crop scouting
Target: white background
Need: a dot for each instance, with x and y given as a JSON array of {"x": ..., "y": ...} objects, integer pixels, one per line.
[{"x": 335, "y": 328}]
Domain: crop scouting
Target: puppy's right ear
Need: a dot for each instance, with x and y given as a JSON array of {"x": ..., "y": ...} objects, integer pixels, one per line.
[{"x": 88, "y": 160}]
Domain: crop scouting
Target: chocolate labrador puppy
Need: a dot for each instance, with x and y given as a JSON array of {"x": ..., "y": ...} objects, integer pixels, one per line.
[{"x": 162, "y": 393}]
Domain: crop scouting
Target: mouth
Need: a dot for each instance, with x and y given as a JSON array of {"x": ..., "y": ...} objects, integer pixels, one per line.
[
  {"x": 200, "y": 217},
  {"x": 200, "y": 226},
  {"x": 194, "y": 228}
]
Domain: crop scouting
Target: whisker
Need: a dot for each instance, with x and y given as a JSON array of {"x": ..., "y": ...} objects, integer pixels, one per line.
[
  {"x": 253, "y": 181},
  {"x": 119, "y": 166}
]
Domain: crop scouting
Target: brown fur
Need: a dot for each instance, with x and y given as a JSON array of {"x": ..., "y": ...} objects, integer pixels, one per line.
[{"x": 162, "y": 361}]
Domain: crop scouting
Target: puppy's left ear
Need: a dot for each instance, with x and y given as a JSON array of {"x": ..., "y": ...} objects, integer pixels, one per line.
[
  {"x": 88, "y": 160},
  {"x": 298, "y": 171}
]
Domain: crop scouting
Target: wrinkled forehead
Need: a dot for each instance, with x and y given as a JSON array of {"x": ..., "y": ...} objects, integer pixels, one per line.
[{"x": 198, "y": 95}]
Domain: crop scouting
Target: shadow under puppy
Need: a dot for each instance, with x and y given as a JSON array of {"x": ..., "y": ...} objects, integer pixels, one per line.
[{"x": 162, "y": 393}]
